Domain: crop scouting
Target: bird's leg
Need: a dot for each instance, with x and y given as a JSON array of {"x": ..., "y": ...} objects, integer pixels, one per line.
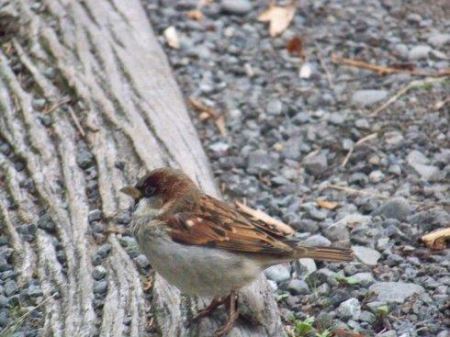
[
  {"x": 233, "y": 314},
  {"x": 216, "y": 301}
]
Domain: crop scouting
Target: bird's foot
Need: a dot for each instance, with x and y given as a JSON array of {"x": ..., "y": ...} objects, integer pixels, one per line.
[{"x": 233, "y": 314}]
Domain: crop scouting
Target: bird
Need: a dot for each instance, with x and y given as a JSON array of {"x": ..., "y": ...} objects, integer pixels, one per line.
[{"x": 207, "y": 247}]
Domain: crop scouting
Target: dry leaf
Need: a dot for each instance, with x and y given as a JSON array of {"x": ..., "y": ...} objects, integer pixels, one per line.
[
  {"x": 436, "y": 240},
  {"x": 171, "y": 36},
  {"x": 278, "y": 17},
  {"x": 327, "y": 204},
  {"x": 220, "y": 124},
  {"x": 195, "y": 14},
  {"x": 295, "y": 46},
  {"x": 205, "y": 112}
]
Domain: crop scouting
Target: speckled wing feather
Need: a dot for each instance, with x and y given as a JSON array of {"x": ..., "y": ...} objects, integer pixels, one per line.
[{"x": 216, "y": 224}]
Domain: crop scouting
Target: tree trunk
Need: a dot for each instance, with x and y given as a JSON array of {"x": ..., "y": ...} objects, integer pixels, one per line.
[{"x": 87, "y": 105}]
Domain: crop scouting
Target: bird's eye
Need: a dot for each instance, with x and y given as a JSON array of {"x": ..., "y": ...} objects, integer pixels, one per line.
[{"x": 149, "y": 191}]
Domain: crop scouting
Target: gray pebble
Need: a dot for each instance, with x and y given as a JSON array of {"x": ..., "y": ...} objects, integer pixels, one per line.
[
  {"x": 419, "y": 52},
  {"x": 104, "y": 250},
  {"x": 395, "y": 292},
  {"x": 85, "y": 159},
  {"x": 94, "y": 215},
  {"x": 100, "y": 287},
  {"x": 259, "y": 160},
  {"x": 278, "y": 273},
  {"x": 10, "y": 288},
  {"x": 298, "y": 287},
  {"x": 316, "y": 164},
  {"x": 99, "y": 273},
  {"x": 274, "y": 107},
  {"x": 366, "y": 255},
  {"x": 142, "y": 261},
  {"x": 317, "y": 240},
  {"x": 45, "y": 222},
  {"x": 364, "y": 279},
  {"x": 398, "y": 208},
  {"x": 239, "y": 7},
  {"x": 438, "y": 39},
  {"x": 366, "y": 98},
  {"x": 349, "y": 309}
]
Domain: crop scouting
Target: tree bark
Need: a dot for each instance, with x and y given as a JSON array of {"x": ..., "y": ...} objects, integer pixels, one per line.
[{"x": 87, "y": 105}]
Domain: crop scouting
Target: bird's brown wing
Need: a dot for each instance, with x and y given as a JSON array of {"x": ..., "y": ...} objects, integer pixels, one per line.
[{"x": 216, "y": 224}]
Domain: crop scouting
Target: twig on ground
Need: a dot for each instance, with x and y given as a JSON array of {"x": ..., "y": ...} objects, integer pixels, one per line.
[
  {"x": 404, "y": 90},
  {"x": 359, "y": 142},
  {"x": 206, "y": 112},
  {"x": 327, "y": 70},
  {"x": 436, "y": 240},
  {"x": 76, "y": 122},
  {"x": 386, "y": 70}
]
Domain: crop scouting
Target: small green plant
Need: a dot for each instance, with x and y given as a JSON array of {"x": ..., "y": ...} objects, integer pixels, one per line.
[
  {"x": 324, "y": 333},
  {"x": 302, "y": 328},
  {"x": 347, "y": 280}
]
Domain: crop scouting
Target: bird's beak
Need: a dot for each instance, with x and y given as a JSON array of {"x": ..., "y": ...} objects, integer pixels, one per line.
[{"x": 132, "y": 192}]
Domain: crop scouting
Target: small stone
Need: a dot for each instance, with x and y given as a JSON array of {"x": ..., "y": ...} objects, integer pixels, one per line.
[
  {"x": 10, "y": 288},
  {"x": 3, "y": 301},
  {"x": 366, "y": 98},
  {"x": 238, "y": 7},
  {"x": 395, "y": 292},
  {"x": 278, "y": 273},
  {"x": 259, "y": 160},
  {"x": 274, "y": 107},
  {"x": 104, "y": 250},
  {"x": 317, "y": 240},
  {"x": 438, "y": 39},
  {"x": 45, "y": 222},
  {"x": 364, "y": 279},
  {"x": 34, "y": 291},
  {"x": 419, "y": 52},
  {"x": 337, "y": 232},
  {"x": 398, "y": 208},
  {"x": 100, "y": 287},
  {"x": 307, "y": 266},
  {"x": 316, "y": 214},
  {"x": 316, "y": 164},
  {"x": 219, "y": 147},
  {"x": 367, "y": 316},
  {"x": 142, "y": 261},
  {"x": 298, "y": 287},
  {"x": 85, "y": 159},
  {"x": 349, "y": 309},
  {"x": 99, "y": 273},
  {"x": 94, "y": 215},
  {"x": 366, "y": 255},
  {"x": 376, "y": 176},
  {"x": 358, "y": 178},
  {"x": 419, "y": 163}
]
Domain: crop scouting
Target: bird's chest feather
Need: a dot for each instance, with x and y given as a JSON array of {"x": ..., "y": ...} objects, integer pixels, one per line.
[{"x": 194, "y": 270}]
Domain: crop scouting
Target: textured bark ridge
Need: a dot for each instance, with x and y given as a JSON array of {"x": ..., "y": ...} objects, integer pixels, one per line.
[{"x": 87, "y": 103}]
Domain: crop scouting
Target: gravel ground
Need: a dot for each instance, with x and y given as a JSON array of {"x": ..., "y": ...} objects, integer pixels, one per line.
[{"x": 290, "y": 125}]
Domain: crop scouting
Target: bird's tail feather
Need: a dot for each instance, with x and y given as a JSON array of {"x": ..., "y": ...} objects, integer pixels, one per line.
[{"x": 325, "y": 253}]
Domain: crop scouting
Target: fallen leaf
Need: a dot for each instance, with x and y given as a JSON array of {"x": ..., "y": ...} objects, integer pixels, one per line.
[
  {"x": 327, "y": 204},
  {"x": 171, "y": 36},
  {"x": 220, "y": 124},
  {"x": 278, "y": 17},
  {"x": 205, "y": 112},
  {"x": 295, "y": 46},
  {"x": 195, "y": 14},
  {"x": 436, "y": 240}
]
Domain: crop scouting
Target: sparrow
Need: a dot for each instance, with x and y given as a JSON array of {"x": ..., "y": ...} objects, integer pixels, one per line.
[{"x": 207, "y": 247}]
